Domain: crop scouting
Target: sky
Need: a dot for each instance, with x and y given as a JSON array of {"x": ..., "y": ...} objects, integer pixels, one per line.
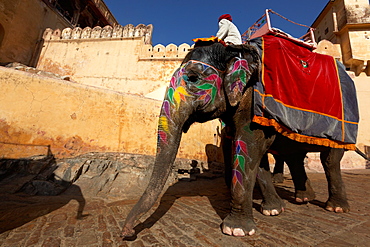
[{"x": 179, "y": 22}]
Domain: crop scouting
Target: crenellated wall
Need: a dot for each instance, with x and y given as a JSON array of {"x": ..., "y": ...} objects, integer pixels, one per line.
[
  {"x": 108, "y": 104},
  {"x": 111, "y": 101},
  {"x": 117, "y": 58},
  {"x": 164, "y": 52},
  {"x": 129, "y": 31},
  {"x": 107, "y": 32}
]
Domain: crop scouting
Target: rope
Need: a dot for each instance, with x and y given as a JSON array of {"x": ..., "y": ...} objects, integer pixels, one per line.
[{"x": 273, "y": 12}]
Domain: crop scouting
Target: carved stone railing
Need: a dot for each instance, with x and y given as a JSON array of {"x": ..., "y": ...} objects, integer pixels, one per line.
[
  {"x": 148, "y": 51},
  {"x": 107, "y": 32},
  {"x": 164, "y": 52}
]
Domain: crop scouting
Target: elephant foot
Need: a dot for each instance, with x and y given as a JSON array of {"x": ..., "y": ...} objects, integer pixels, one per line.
[
  {"x": 304, "y": 196},
  {"x": 238, "y": 228},
  {"x": 274, "y": 206},
  {"x": 278, "y": 178},
  {"x": 273, "y": 212},
  {"x": 337, "y": 207},
  {"x": 127, "y": 232}
]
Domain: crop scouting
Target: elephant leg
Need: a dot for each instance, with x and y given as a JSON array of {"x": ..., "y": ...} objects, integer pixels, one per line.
[
  {"x": 249, "y": 148},
  {"x": 226, "y": 144},
  {"x": 337, "y": 201},
  {"x": 278, "y": 174},
  {"x": 271, "y": 204},
  {"x": 303, "y": 190}
]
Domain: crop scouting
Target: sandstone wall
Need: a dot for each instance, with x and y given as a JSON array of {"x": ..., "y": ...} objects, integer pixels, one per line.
[
  {"x": 114, "y": 97},
  {"x": 362, "y": 84},
  {"x": 23, "y": 23},
  {"x": 37, "y": 111},
  {"x": 346, "y": 22},
  {"x": 119, "y": 58}
]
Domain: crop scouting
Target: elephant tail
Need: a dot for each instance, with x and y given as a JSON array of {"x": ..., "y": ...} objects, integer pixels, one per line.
[{"x": 362, "y": 154}]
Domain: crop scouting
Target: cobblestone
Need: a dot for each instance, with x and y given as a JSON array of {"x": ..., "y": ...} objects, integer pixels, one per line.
[{"x": 189, "y": 214}]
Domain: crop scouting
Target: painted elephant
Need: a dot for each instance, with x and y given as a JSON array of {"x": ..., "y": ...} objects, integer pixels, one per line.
[{"x": 212, "y": 82}]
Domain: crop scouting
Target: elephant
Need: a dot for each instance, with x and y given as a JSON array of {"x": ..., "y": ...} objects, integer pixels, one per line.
[
  {"x": 303, "y": 190},
  {"x": 278, "y": 173},
  {"x": 216, "y": 82}
]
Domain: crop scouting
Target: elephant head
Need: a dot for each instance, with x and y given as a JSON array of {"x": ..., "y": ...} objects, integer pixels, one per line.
[{"x": 210, "y": 81}]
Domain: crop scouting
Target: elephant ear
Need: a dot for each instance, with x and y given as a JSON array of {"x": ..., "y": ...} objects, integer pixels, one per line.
[{"x": 236, "y": 78}]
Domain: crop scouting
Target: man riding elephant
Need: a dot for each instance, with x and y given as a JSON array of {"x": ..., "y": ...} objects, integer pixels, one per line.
[{"x": 227, "y": 31}]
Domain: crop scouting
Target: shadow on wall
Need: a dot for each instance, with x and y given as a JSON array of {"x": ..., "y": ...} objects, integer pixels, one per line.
[
  {"x": 223, "y": 148},
  {"x": 2, "y": 33},
  {"x": 213, "y": 168},
  {"x": 367, "y": 153},
  {"x": 29, "y": 189}
]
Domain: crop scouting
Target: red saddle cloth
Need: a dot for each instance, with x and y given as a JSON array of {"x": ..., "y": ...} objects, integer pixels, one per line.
[
  {"x": 304, "y": 96},
  {"x": 300, "y": 78}
]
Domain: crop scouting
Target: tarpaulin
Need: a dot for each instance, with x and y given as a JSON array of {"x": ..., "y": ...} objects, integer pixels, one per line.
[{"x": 306, "y": 96}]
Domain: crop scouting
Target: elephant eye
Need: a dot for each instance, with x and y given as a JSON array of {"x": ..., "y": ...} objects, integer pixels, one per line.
[{"x": 193, "y": 78}]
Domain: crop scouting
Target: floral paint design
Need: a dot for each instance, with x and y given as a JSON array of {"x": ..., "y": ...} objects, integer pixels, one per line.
[
  {"x": 205, "y": 89},
  {"x": 247, "y": 129},
  {"x": 238, "y": 75},
  {"x": 241, "y": 153}
]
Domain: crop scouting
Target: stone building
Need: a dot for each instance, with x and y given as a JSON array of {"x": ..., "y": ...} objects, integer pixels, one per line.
[
  {"x": 22, "y": 24},
  {"x": 347, "y": 23},
  {"x": 343, "y": 30}
]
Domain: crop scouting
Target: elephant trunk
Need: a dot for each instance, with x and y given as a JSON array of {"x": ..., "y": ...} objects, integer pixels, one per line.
[{"x": 169, "y": 137}]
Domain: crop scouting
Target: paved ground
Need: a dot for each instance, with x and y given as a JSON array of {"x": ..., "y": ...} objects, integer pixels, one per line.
[{"x": 189, "y": 214}]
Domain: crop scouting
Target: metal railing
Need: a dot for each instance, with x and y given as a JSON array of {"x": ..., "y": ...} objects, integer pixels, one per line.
[{"x": 263, "y": 26}]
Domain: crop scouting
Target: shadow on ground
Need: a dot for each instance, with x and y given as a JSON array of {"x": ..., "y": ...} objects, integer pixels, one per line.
[
  {"x": 17, "y": 210},
  {"x": 28, "y": 190},
  {"x": 218, "y": 194}
]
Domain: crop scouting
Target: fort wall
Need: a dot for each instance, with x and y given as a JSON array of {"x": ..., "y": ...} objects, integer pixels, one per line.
[
  {"x": 41, "y": 114},
  {"x": 20, "y": 31},
  {"x": 117, "y": 58},
  {"x": 111, "y": 101}
]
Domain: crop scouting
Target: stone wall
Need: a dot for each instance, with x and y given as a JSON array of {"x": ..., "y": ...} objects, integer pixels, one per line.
[
  {"x": 118, "y": 31},
  {"x": 113, "y": 76},
  {"x": 99, "y": 117},
  {"x": 22, "y": 24},
  {"x": 40, "y": 114},
  {"x": 346, "y": 22},
  {"x": 362, "y": 84},
  {"x": 357, "y": 11},
  {"x": 117, "y": 58}
]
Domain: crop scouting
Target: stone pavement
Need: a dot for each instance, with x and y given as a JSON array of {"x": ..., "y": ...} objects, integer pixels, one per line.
[{"x": 189, "y": 214}]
